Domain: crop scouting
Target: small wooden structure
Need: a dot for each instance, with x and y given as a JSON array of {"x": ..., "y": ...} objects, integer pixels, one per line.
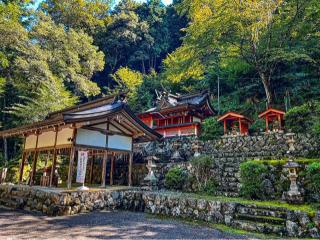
[
  {"x": 106, "y": 128},
  {"x": 235, "y": 124},
  {"x": 178, "y": 115},
  {"x": 274, "y": 119}
]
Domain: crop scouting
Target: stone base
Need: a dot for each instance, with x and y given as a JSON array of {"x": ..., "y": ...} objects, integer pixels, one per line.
[{"x": 294, "y": 198}]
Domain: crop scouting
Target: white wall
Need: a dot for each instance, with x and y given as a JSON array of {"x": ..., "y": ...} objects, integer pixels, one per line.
[
  {"x": 90, "y": 138},
  {"x": 120, "y": 142}
]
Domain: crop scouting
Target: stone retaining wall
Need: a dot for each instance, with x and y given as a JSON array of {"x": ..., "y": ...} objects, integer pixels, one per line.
[
  {"x": 227, "y": 152},
  {"x": 251, "y": 217}
]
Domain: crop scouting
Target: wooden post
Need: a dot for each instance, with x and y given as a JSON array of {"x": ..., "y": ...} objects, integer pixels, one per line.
[
  {"x": 54, "y": 160},
  {"x": 91, "y": 168},
  {"x": 130, "y": 169},
  {"x": 267, "y": 123},
  {"x": 24, "y": 154},
  {"x": 240, "y": 126},
  {"x": 72, "y": 156},
  {"x": 111, "y": 169},
  {"x": 34, "y": 162},
  {"x": 104, "y": 169},
  {"x": 225, "y": 126},
  {"x": 280, "y": 123}
]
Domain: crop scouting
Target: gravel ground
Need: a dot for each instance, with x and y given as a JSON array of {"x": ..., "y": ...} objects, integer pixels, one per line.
[{"x": 100, "y": 225}]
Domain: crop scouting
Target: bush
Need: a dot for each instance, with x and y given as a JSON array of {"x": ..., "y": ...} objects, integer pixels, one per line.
[
  {"x": 201, "y": 170},
  {"x": 251, "y": 178},
  {"x": 175, "y": 178},
  {"x": 304, "y": 118},
  {"x": 312, "y": 178},
  {"x": 258, "y": 126},
  {"x": 211, "y": 129}
]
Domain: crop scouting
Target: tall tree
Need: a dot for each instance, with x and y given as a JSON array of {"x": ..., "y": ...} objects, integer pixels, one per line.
[
  {"x": 83, "y": 15},
  {"x": 264, "y": 34}
]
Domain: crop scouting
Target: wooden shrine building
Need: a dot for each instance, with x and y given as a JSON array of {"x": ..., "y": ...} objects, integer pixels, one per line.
[
  {"x": 274, "y": 119},
  {"x": 178, "y": 115},
  {"x": 106, "y": 128},
  {"x": 235, "y": 124}
]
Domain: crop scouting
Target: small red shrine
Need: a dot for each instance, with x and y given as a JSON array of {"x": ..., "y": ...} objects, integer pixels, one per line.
[
  {"x": 178, "y": 115},
  {"x": 274, "y": 119},
  {"x": 235, "y": 124}
]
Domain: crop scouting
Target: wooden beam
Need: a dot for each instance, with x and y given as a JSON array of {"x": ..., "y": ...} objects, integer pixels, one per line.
[
  {"x": 111, "y": 168},
  {"x": 130, "y": 169},
  {"x": 104, "y": 169},
  {"x": 24, "y": 154},
  {"x": 91, "y": 168},
  {"x": 54, "y": 160},
  {"x": 34, "y": 162},
  {"x": 72, "y": 157}
]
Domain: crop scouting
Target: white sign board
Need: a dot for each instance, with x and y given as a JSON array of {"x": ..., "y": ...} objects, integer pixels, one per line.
[{"x": 82, "y": 166}]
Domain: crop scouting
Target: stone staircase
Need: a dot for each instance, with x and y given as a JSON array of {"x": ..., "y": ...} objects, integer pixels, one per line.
[{"x": 260, "y": 219}]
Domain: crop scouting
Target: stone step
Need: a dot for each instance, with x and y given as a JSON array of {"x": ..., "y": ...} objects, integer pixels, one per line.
[
  {"x": 261, "y": 212},
  {"x": 261, "y": 219},
  {"x": 265, "y": 228}
]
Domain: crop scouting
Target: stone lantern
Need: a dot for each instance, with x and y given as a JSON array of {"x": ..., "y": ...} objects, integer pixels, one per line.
[
  {"x": 196, "y": 148},
  {"x": 151, "y": 179},
  {"x": 176, "y": 157},
  {"x": 293, "y": 195}
]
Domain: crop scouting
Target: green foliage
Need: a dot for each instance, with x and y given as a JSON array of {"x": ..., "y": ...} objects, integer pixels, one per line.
[
  {"x": 175, "y": 178},
  {"x": 211, "y": 129},
  {"x": 201, "y": 170},
  {"x": 259, "y": 125},
  {"x": 251, "y": 177},
  {"x": 304, "y": 118},
  {"x": 312, "y": 178},
  {"x": 78, "y": 14}
]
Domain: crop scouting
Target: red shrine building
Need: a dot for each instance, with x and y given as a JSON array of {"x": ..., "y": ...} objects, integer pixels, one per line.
[
  {"x": 178, "y": 115},
  {"x": 274, "y": 119},
  {"x": 235, "y": 123}
]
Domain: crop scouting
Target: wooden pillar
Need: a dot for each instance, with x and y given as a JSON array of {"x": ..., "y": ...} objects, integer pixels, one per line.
[
  {"x": 24, "y": 155},
  {"x": 104, "y": 169},
  {"x": 240, "y": 126},
  {"x": 54, "y": 159},
  {"x": 72, "y": 157},
  {"x": 267, "y": 123},
  {"x": 225, "y": 126},
  {"x": 111, "y": 168},
  {"x": 34, "y": 162},
  {"x": 130, "y": 169},
  {"x": 280, "y": 123},
  {"x": 91, "y": 168}
]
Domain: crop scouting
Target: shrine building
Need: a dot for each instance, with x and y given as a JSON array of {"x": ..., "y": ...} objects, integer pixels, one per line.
[
  {"x": 105, "y": 128},
  {"x": 178, "y": 115}
]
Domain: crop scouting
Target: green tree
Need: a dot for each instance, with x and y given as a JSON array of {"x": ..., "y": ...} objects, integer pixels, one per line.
[
  {"x": 264, "y": 34},
  {"x": 83, "y": 15}
]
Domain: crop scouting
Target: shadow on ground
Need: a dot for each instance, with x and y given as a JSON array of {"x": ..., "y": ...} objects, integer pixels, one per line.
[{"x": 100, "y": 225}]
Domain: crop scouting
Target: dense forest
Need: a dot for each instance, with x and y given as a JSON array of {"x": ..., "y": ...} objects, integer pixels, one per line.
[{"x": 249, "y": 54}]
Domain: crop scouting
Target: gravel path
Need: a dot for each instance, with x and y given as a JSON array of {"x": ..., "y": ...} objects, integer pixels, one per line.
[{"x": 100, "y": 225}]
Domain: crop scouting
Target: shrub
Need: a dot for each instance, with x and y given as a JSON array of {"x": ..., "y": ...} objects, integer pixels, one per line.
[
  {"x": 312, "y": 178},
  {"x": 211, "y": 129},
  {"x": 175, "y": 178},
  {"x": 304, "y": 118},
  {"x": 201, "y": 170},
  {"x": 251, "y": 178},
  {"x": 258, "y": 126}
]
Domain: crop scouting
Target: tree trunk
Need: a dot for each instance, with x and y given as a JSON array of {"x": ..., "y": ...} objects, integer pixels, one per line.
[
  {"x": 5, "y": 151},
  {"x": 266, "y": 85}
]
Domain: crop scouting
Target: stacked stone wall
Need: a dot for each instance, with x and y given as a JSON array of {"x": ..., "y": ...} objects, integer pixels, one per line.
[
  {"x": 263, "y": 219},
  {"x": 227, "y": 152}
]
